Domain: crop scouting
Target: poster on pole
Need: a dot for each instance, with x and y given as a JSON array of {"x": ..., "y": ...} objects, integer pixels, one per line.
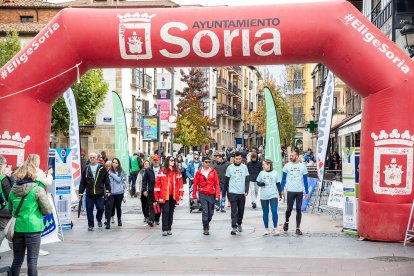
[
  {"x": 165, "y": 109},
  {"x": 150, "y": 128},
  {"x": 350, "y": 179},
  {"x": 164, "y": 81}
]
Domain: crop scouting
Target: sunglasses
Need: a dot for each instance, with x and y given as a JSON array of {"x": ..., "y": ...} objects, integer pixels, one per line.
[
  {"x": 196, "y": 158},
  {"x": 206, "y": 161},
  {"x": 172, "y": 160}
]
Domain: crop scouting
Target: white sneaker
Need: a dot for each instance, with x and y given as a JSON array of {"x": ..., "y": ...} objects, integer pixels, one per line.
[
  {"x": 266, "y": 232},
  {"x": 43, "y": 252},
  {"x": 276, "y": 232}
]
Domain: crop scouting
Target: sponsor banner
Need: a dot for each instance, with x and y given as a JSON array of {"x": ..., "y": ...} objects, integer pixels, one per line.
[
  {"x": 64, "y": 193},
  {"x": 273, "y": 149},
  {"x": 324, "y": 124},
  {"x": 350, "y": 180},
  {"x": 52, "y": 231},
  {"x": 335, "y": 199},
  {"x": 121, "y": 134},
  {"x": 74, "y": 141},
  {"x": 150, "y": 129}
]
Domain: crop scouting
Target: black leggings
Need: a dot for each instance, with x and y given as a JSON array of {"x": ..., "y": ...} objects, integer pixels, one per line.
[{"x": 291, "y": 196}]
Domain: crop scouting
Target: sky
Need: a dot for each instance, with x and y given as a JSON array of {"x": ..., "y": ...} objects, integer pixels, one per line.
[{"x": 241, "y": 2}]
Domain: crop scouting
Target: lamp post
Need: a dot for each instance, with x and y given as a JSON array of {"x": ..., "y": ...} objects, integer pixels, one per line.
[{"x": 408, "y": 33}]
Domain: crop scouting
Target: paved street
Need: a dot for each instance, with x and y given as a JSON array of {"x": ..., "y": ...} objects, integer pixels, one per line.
[{"x": 137, "y": 249}]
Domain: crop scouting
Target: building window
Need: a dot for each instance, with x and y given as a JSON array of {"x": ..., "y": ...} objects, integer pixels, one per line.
[{"x": 25, "y": 18}]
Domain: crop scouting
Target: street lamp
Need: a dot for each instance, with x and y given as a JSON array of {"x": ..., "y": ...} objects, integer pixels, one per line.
[
  {"x": 408, "y": 32},
  {"x": 313, "y": 112},
  {"x": 312, "y": 126}
]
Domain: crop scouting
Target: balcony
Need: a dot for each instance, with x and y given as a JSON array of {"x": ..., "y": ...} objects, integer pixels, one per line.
[
  {"x": 234, "y": 89},
  {"x": 147, "y": 83},
  {"x": 235, "y": 70},
  {"x": 221, "y": 83}
]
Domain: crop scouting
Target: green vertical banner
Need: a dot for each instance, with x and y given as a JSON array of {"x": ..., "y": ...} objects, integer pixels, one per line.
[
  {"x": 121, "y": 134},
  {"x": 273, "y": 150}
]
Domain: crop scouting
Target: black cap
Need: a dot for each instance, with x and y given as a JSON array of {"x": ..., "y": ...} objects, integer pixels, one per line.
[{"x": 206, "y": 158}]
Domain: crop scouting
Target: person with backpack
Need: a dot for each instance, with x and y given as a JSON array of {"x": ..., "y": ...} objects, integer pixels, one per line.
[
  {"x": 254, "y": 167},
  {"x": 34, "y": 204},
  {"x": 95, "y": 182},
  {"x": 148, "y": 185}
]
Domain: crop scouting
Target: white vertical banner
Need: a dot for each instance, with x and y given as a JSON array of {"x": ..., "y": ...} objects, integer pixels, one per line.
[
  {"x": 324, "y": 124},
  {"x": 163, "y": 81},
  {"x": 74, "y": 140}
]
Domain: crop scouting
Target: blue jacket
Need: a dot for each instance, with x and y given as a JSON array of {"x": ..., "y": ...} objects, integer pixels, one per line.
[
  {"x": 117, "y": 183},
  {"x": 190, "y": 171}
]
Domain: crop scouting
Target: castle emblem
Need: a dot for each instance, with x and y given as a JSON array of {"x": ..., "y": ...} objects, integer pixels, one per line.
[
  {"x": 135, "y": 36},
  {"x": 393, "y": 162},
  {"x": 12, "y": 147}
]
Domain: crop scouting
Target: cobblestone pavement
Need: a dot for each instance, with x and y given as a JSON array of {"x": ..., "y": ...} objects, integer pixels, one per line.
[{"x": 135, "y": 248}]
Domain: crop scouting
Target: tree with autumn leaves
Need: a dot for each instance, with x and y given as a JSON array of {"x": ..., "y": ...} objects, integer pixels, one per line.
[
  {"x": 286, "y": 125},
  {"x": 192, "y": 126}
]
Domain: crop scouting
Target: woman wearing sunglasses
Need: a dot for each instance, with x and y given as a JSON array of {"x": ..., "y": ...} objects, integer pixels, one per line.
[
  {"x": 206, "y": 183},
  {"x": 168, "y": 192}
]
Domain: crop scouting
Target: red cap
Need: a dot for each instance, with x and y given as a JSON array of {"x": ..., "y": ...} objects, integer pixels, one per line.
[{"x": 155, "y": 157}]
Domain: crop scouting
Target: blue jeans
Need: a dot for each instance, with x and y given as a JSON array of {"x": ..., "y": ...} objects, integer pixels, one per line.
[
  {"x": 221, "y": 202},
  {"x": 273, "y": 206},
  {"x": 92, "y": 201},
  {"x": 21, "y": 241}
]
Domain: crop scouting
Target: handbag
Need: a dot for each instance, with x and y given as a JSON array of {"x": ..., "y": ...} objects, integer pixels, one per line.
[
  {"x": 9, "y": 229},
  {"x": 157, "y": 209}
]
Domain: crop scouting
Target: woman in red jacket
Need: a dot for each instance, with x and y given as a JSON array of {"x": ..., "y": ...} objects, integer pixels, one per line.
[
  {"x": 207, "y": 185},
  {"x": 168, "y": 192}
]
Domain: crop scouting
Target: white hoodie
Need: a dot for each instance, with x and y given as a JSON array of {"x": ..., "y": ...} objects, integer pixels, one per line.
[{"x": 41, "y": 177}]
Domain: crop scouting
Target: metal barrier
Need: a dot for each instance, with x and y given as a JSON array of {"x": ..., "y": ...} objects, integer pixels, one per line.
[{"x": 319, "y": 201}]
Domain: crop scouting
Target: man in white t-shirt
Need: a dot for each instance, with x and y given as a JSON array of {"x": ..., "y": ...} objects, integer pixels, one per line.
[{"x": 295, "y": 177}]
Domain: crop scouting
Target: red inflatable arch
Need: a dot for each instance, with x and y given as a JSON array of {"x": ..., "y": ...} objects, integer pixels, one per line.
[{"x": 334, "y": 33}]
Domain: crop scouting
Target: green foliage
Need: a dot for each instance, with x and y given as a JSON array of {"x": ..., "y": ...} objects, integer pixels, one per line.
[
  {"x": 286, "y": 125},
  {"x": 192, "y": 125},
  {"x": 9, "y": 47},
  {"x": 89, "y": 93}
]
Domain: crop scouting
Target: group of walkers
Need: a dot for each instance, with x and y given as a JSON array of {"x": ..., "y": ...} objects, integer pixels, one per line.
[
  {"x": 213, "y": 179},
  {"x": 23, "y": 195},
  {"x": 103, "y": 189}
]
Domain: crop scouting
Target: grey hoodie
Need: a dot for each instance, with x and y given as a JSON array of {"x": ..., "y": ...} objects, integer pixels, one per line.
[{"x": 21, "y": 190}]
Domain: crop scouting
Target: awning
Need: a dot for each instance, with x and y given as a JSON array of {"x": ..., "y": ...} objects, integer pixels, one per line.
[{"x": 352, "y": 125}]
